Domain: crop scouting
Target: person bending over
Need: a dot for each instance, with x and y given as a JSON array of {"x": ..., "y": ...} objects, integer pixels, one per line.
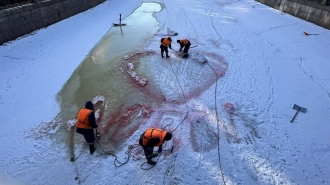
[{"x": 153, "y": 137}]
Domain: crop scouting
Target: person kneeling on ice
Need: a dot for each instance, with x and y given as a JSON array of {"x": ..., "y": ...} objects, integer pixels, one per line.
[
  {"x": 85, "y": 124},
  {"x": 153, "y": 137},
  {"x": 186, "y": 44},
  {"x": 165, "y": 43}
]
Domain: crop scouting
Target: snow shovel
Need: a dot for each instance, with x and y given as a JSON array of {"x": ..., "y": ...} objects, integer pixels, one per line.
[
  {"x": 174, "y": 50},
  {"x": 298, "y": 108}
]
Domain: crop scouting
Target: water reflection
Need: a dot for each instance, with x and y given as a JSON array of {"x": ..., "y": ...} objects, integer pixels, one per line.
[
  {"x": 140, "y": 26},
  {"x": 101, "y": 77}
]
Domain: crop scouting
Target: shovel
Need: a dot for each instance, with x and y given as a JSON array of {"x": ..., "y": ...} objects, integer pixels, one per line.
[
  {"x": 298, "y": 108},
  {"x": 174, "y": 50}
]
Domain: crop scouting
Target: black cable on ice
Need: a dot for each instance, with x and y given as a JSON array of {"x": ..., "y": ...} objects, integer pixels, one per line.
[{"x": 216, "y": 114}]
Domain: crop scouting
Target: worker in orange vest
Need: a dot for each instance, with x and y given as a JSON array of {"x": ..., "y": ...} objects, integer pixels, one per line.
[
  {"x": 153, "y": 137},
  {"x": 85, "y": 124},
  {"x": 185, "y": 44},
  {"x": 165, "y": 43}
]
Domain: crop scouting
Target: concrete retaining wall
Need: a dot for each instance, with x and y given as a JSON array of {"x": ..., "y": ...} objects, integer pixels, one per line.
[
  {"x": 314, "y": 12},
  {"x": 21, "y": 20},
  {"x": 24, "y": 19}
]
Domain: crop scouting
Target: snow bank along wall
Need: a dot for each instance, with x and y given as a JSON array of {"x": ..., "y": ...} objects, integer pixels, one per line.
[
  {"x": 317, "y": 13},
  {"x": 20, "y": 20}
]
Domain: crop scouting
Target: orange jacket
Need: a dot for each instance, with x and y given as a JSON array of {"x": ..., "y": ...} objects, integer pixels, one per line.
[
  {"x": 83, "y": 121},
  {"x": 184, "y": 41},
  {"x": 166, "y": 42},
  {"x": 154, "y": 132}
]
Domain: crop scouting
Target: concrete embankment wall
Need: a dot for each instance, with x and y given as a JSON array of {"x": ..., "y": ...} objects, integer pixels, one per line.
[
  {"x": 20, "y": 20},
  {"x": 24, "y": 19},
  {"x": 317, "y": 13}
]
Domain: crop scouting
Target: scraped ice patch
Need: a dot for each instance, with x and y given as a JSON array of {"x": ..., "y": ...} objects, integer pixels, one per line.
[
  {"x": 99, "y": 106},
  {"x": 142, "y": 81},
  {"x": 51, "y": 127},
  {"x": 71, "y": 123},
  {"x": 45, "y": 128},
  {"x": 167, "y": 32},
  {"x": 128, "y": 56},
  {"x": 203, "y": 134},
  {"x": 240, "y": 125},
  {"x": 200, "y": 58},
  {"x": 177, "y": 80},
  {"x": 98, "y": 99}
]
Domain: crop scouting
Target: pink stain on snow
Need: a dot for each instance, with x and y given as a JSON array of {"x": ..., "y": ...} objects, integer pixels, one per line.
[
  {"x": 203, "y": 136},
  {"x": 118, "y": 125},
  {"x": 217, "y": 65},
  {"x": 123, "y": 122},
  {"x": 229, "y": 107}
]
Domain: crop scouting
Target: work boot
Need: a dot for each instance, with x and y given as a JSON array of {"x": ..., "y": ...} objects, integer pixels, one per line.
[
  {"x": 149, "y": 161},
  {"x": 91, "y": 148},
  {"x": 167, "y": 55},
  {"x": 185, "y": 56},
  {"x": 153, "y": 155},
  {"x": 162, "y": 56}
]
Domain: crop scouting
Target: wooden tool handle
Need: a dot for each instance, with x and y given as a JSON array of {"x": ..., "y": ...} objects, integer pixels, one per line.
[{"x": 294, "y": 116}]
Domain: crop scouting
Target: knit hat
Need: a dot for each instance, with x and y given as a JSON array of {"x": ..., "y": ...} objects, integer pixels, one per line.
[
  {"x": 168, "y": 136},
  {"x": 89, "y": 105},
  {"x": 178, "y": 41}
]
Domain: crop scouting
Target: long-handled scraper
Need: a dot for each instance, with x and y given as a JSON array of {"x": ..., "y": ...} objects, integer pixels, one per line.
[
  {"x": 120, "y": 24},
  {"x": 298, "y": 108}
]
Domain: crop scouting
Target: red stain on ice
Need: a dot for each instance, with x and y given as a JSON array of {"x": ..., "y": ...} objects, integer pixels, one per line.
[
  {"x": 122, "y": 123},
  {"x": 218, "y": 67}
]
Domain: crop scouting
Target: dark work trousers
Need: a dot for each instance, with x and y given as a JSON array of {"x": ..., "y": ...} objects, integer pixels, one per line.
[
  {"x": 186, "y": 48},
  {"x": 88, "y": 134},
  {"x": 162, "y": 49},
  {"x": 147, "y": 151}
]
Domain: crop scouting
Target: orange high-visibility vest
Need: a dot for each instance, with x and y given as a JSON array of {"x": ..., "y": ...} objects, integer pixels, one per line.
[
  {"x": 83, "y": 121},
  {"x": 184, "y": 41},
  {"x": 154, "y": 132},
  {"x": 166, "y": 42}
]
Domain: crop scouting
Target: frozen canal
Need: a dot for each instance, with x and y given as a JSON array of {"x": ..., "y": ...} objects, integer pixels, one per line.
[
  {"x": 127, "y": 91},
  {"x": 230, "y": 117}
]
